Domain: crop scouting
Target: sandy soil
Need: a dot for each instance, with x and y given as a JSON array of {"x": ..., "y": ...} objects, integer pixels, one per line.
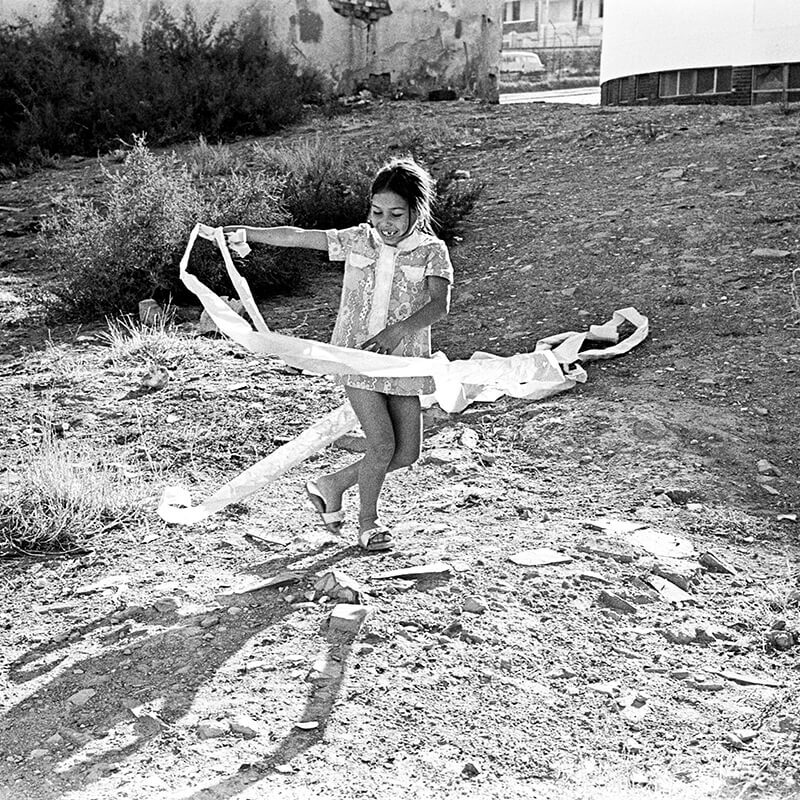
[{"x": 136, "y": 670}]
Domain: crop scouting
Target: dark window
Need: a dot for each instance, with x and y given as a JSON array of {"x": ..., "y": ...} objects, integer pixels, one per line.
[
  {"x": 687, "y": 81},
  {"x": 705, "y": 81},
  {"x": 724, "y": 79},
  {"x": 668, "y": 84},
  {"x": 642, "y": 87},
  {"x": 768, "y": 77},
  {"x": 794, "y": 76},
  {"x": 600, "y": 12},
  {"x": 577, "y": 11}
]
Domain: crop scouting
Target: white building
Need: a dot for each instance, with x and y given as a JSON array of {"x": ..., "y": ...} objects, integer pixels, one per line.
[{"x": 701, "y": 51}]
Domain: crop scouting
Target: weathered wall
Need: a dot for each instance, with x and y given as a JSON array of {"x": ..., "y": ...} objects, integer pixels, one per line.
[{"x": 410, "y": 45}]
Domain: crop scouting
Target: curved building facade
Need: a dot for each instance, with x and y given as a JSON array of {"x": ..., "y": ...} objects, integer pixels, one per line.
[{"x": 736, "y": 52}]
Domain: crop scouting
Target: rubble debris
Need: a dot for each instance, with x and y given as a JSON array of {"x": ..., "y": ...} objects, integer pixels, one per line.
[
  {"x": 337, "y": 585},
  {"x": 348, "y": 617},
  {"x": 539, "y": 557},
  {"x": 422, "y": 571},
  {"x": 714, "y": 564},
  {"x": 614, "y": 601},
  {"x": 668, "y": 591}
]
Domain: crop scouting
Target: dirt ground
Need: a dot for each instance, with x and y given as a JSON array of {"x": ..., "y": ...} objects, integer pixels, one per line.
[{"x": 139, "y": 670}]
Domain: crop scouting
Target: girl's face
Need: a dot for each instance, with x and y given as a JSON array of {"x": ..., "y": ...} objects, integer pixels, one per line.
[{"x": 391, "y": 217}]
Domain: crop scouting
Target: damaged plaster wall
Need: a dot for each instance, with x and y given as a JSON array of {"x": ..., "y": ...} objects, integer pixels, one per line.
[{"x": 409, "y": 46}]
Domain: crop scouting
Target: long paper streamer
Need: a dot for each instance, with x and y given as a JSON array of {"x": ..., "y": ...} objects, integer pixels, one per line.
[{"x": 552, "y": 367}]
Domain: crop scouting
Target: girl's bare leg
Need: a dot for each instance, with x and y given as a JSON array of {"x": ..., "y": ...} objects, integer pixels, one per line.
[{"x": 392, "y": 425}]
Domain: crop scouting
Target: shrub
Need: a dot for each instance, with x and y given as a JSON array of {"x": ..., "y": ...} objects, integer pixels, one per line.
[
  {"x": 108, "y": 258},
  {"x": 76, "y": 87},
  {"x": 455, "y": 199},
  {"x": 63, "y": 496},
  {"x": 323, "y": 186}
]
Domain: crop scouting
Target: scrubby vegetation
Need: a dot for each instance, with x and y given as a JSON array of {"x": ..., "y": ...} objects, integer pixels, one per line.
[
  {"x": 75, "y": 87},
  {"x": 126, "y": 246}
]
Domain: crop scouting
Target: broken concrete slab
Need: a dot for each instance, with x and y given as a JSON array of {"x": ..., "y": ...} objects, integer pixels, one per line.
[
  {"x": 668, "y": 591},
  {"x": 661, "y": 544},
  {"x": 270, "y": 583},
  {"x": 715, "y": 564},
  {"x": 539, "y": 557},
  {"x": 412, "y": 573},
  {"x": 614, "y": 601},
  {"x": 337, "y": 585},
  {"x": 607, "y": 550},
  {"x": 749, "y": 678},
  {"x": 679, "y": 571},
  {"x": 348, "y": 617},
  {"x": 617, "y": 527}
]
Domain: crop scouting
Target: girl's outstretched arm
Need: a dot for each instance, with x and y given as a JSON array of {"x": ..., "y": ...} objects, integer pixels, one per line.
[{"x": 282, "y": 236}]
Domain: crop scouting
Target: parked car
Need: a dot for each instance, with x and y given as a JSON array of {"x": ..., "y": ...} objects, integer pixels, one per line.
[{"x": 516, "y": 64}]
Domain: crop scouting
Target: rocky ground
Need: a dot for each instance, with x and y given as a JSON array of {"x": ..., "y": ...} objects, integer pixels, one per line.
[{"x": 645, "y": 646}]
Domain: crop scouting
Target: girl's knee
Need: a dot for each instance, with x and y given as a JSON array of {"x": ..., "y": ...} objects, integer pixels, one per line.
[
  {"x": 405, "y": 457},
  {"x": 380, "y": 454}
]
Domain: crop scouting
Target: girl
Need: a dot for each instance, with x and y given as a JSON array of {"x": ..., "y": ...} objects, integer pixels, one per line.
[{"x": 397, "y": 278}]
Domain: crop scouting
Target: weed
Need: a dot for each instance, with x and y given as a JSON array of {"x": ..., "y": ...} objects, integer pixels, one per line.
[
  {"x": 62, "y": 496},
  {"x": 142, "y": 345}
]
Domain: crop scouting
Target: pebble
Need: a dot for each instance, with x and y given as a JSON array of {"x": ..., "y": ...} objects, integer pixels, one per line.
[
  {"x": 475, "y": 605},
  {"x": 212, "y": 729},
  {"x": 82, "y": 697}
]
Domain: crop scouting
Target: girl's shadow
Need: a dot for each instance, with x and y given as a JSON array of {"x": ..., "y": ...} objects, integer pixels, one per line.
[{"x": 89, "y": 716}]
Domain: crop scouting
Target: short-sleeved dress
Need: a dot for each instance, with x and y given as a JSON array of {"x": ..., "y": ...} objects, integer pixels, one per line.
[{"x": 382, "y": 285}]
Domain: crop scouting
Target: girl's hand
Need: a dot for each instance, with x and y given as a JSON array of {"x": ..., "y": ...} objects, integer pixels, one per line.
[{"x": 387, "y": 340}]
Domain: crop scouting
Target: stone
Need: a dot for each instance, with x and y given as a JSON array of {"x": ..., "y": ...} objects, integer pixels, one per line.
[
  {"x": 441, "y": 456},
  {"x": 749, "y": 678},
  {"x": 617, "y": 527},
  {"x": 324, "y": 670},
  {"x": 212, "y": 729},
  {"x": 633, "y": 707},
  {"x": 705, "y": 685},
  {"x": 470, "y": 771},
  {"x": 681, "y": 572},
  {"x": 307, "y": 725},
  {"x": 764, "y": 467},
  {"x": 781, "y": 640},
  {"x": 347, "y": 617},
  {"x": 475, "y": 605},
  {"x": 632, "y": 745},
  {"x": 560, "y": 672},
  {"x": 38, "y": 753},
  {"x": 668, "y": 591},
  {"x": 337, "y": 585},
  {"x": 539, "y": 557},
  {"x": 769, "y": 252},
  {"x": 609, "y": 688},
  {"x": 661, "y": 544},
  {"x": 715, "y": 564},
  {"x": 422, "y": 571},
  {"x": 209, "y": 621},
  {"x": 150, "y": 312},
  {"x": 283, "y": 579},
  {"x": 606, "y": 550},
  {"x": 166, "y": 603},
  {"x": 614, "y": 601},
  {"x": 81, "y": 698},
  {"x": 156, "y": 377},
  {"x": 244, "y": 726},
  {"x": 746, "y": 734}
]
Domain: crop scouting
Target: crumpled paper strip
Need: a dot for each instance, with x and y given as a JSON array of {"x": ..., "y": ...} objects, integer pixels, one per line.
[{"x": 552, "y": 367}]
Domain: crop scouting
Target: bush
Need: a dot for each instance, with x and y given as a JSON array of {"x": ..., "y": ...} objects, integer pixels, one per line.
[
  {"x": 323, "y": 187},
  {"x": 110, "y": 256},
  {"x": 75, "y": 87},
  {"x": 63, "y": 497}
]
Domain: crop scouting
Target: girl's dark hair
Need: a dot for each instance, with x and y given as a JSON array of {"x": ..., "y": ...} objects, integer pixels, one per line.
[{"x": 413, "y": 183}]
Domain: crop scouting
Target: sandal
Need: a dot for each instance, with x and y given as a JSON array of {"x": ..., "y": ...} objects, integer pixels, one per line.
[
  {"x": 332, "y": 520},
  {"x": 375, "y": 539}
]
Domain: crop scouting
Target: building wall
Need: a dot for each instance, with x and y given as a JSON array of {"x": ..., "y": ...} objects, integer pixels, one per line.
[
  {"x": 408, "y": 45},
  {"x": 659, "y": 35},
  {"x": 553, "y": 24}
]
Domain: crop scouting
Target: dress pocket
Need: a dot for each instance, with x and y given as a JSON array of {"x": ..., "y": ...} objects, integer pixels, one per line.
[
  {"x": 357, "y": 260},
  {"x": 413, "y": 274}
]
